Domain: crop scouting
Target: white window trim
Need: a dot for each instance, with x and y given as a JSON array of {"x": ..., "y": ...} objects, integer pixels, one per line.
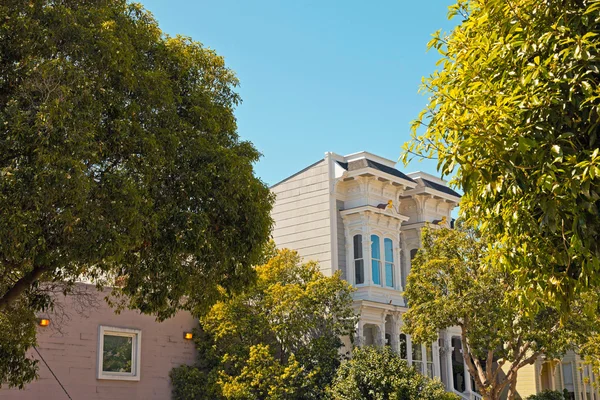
[{"x": 136, "y": 356}]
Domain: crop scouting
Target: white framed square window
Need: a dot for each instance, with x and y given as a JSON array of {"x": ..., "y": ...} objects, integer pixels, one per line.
[{"x": 119, "y": 353}]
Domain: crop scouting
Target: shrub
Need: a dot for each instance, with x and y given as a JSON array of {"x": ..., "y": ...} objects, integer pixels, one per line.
[
  {"x": 380, "y": 374},
  {"x": 547, "y": 395}
]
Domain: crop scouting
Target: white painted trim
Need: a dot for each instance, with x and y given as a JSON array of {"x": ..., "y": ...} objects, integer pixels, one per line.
[
  {"x": 136, "y": 334},
  {"x": 333, "y": 233},
  {"x": 375, "y": 172},
  {"x": 365, "y": 154},
  {"x": 427, "y": 190},
  {"x": 374, "y": 210}
]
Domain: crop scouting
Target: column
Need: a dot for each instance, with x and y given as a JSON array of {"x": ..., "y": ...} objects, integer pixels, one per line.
[
  {"x": 468, "y": 387},
  {"x": 397, "y": 267},
  {"x": 435, "y": 349},
  {"x": 380, "y": 338},
  {"x": 359, "y": 338},
  {"x": 395, "y": 341},
  {"x": 448, "y": 358}
]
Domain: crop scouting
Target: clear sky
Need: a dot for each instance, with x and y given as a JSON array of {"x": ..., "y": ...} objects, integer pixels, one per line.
[{"x": 318, "y": 76}]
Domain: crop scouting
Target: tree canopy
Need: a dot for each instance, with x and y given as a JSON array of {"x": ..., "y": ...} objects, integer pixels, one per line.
[
  {"x": 455, "y": 280},
  {"x": 279, "y": 339},
  {"x": 514, "y": 112},
  {"x": 119, "y": 162},
  {"x": 380, "y": 374}
]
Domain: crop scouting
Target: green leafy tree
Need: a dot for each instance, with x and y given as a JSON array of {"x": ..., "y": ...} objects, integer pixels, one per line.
[
  {"x": 514, "y": 112},
  {"x": 455, "y": 280},
  {"x": 119, "y": 160},
  {"x": 279, "y": 339},
  {"x": 547, "y": 395},
  {"x": 380, "y": 374}
]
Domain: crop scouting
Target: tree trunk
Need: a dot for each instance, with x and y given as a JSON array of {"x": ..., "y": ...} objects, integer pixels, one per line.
[{"x": 512, "y": 387}]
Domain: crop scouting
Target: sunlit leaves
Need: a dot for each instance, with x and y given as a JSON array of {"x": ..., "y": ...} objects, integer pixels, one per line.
[
  {"x": 514, "y": 115},
  {"x": 280, "y": 338},
  {"x": 120, "y": 160}
]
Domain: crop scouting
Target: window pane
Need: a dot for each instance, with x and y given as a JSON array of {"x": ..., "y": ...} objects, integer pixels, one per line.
[
  {"x": 389, "y": 250},
  {"x": 375, "y": 251},
  {"x": 359, "y": 272},
  {"x": 418, "y": 366},
  {"x": 429, "y": 351},
  {"x": 403, "y": 346},
  {"x": 117, "y": 354},
  {"x": 567, "y": 374},
  {"x": 389, "y": 275},
  {"x": 388, "y": 339},
  {"x": 358, "y": 246},
  {"x": 376, "y": 273},
  {"x": 430, "y": 370},
  {"x": 417, "y": 352}
]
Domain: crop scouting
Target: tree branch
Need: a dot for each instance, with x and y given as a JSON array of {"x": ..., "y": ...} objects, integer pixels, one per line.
[{"x": 20, "y": 286}]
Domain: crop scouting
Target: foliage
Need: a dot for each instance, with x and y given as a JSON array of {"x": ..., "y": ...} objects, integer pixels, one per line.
[
  {"x": 456, "y": 281},
  {"x": 264, "y": 377},
  {"x": 279, "y": 339},
  {"x": 190, "y": 383},
  {"x": 380, "y": 374},
  {"x": 18, "y": 334},
  {"x": 515, "y": 112},
  {"x": 119, "y": 161},
  {"x": 547, "y": 395}
]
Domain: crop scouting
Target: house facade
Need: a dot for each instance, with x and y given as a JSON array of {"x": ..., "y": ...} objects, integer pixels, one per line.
[
  {"x": 97, "y": 354},
  {"x": 359, "y": 215},
  {"x": 356, "y": 214}
]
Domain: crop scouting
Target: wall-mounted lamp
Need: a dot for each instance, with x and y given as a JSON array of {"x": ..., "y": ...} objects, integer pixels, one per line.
[
  {"x": 188, "y": 335},
  {"x": 44, "y": 322}
]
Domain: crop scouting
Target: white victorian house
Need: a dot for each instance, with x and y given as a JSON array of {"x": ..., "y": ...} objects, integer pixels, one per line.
[{"x": 362, "y": 216}]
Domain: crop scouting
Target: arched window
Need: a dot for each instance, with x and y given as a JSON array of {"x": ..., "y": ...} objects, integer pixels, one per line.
[
  {"x": 375, "y": 259},
  {"x": 389, "y": 262},
  {"x": 403, "y": 347},
  {"x": 359, "y": 266},
  {"x": 413, "y": 253}
]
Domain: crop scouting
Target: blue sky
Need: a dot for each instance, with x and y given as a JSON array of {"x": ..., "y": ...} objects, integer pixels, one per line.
[{"x": 318, "y": 76}]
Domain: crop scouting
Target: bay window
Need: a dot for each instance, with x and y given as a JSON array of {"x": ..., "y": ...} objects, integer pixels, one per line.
[
  {"x": 375, "y": 260},
  {"x": 359, "y": 268}
]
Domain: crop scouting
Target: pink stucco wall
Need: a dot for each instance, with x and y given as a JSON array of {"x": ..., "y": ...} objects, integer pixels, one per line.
[{"x": 72, "y": 355}]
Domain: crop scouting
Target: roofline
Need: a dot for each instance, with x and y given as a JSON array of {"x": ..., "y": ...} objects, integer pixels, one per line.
[
  {"x": 427, "y": 176},
  {"x": 297, "y": 173},
  {"x": 373, "y": 157}
]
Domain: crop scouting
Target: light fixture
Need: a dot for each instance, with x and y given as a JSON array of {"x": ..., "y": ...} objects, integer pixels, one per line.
[
  {"x": 188, "y": 335},
  {"x": 44, "y": 322}
]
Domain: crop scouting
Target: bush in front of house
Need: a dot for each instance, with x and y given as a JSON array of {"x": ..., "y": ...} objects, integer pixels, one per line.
[
  {"x": 547, "y": 395},
  {"x": 380, "y": 374}
]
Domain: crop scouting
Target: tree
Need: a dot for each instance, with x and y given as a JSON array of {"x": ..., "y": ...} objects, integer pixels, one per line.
[
  {"x": 455, "y": 280},
  {"x": 279, "y": 339},
  {"x": 514, "y": 112},
  {"x": 119, "y": 163},
  {"x": 380, "y": 374}
]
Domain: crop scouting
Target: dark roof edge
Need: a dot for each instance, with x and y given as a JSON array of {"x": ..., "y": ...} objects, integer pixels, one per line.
[
  {"x": 296, "y": 174},
  {"x": 442, "y": 188}
]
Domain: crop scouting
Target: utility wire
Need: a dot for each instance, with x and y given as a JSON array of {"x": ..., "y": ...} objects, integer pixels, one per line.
[{"x": 52, "y": 372}]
